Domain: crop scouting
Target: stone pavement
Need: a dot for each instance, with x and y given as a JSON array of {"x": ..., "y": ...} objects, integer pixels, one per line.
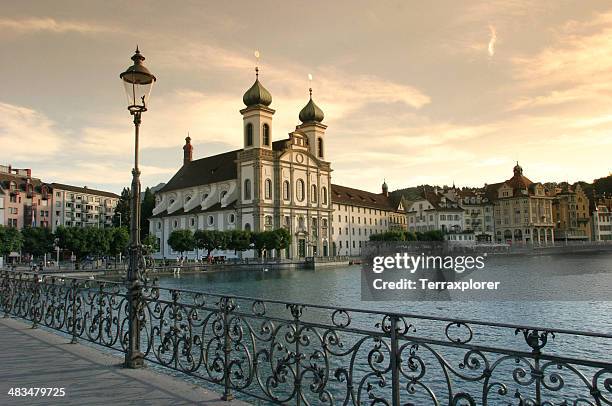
[{"x": 35, "y": 358}]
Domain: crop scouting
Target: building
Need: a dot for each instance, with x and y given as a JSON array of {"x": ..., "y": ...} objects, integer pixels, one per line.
[
  {"x": 477, "y": 213},
  {"x": 602, "y": 223},
  {"x": 269, "y": 184},
  {"x": 75, "y": 206},
  {"x": 357, "y": 214},
  {"x": 262, "y": 186},
  {"x": 27, "y": 201},
  {"x": 522, "y": 210},
  {"x": 571, "y": 214},
  {"x": 435, "y": 211}
]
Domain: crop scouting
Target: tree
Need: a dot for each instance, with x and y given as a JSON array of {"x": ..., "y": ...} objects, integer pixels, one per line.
[
  {"x": 279, "y": 239},
  {"x": 261, "y": 241},
  {"x": 11, "y": 240},
  {"x": 181, "y": 241},
  {"x": 211, "y": 240},
  {"x": 238, "y": 240},
  {"x": 119, "y": 240},
  {"x": 122, "y": 210},
  {"x": 146, "y": 211},
  {"x": 97, "y": 241},
  {"x": 73, "y": 239},
  {"x": 37, "y": 241},
  {"x": 150, "y": 244}
]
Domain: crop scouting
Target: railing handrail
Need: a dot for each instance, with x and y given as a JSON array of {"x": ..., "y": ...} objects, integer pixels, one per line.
[{"x": 347, "y": 309}]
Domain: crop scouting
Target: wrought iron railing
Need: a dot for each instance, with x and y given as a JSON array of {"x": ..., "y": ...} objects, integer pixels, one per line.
[{"x": 293, "y": 353}]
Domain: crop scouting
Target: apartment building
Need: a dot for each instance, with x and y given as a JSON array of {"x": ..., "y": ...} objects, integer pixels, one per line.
[
  {"x": 75, "y": 206},
  {"x": 26, "y": 201}
]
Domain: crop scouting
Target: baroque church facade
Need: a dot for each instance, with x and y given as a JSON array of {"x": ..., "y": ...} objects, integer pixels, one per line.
[{"x": 267, "y": 185}]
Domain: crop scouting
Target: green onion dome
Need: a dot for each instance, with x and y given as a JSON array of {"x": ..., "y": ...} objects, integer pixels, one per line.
[
  {"x": 257, "y": 95},
  {"x": 311, "y": 112}
]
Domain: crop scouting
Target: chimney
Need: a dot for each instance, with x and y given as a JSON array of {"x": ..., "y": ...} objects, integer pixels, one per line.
[{"x": 187, "y": 151}]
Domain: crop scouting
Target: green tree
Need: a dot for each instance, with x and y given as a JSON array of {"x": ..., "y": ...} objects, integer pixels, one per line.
[
  {"x": 263, "y": 240},
  {"x": 122, "y": 210},
  {"x": 119, "y": 240},
  {"x": 11, "y": 240},
  {"x": 211, "y": 240},
  {"x": 37, "y": 241},
  {"x": 146, "y": 211},
  {"x": 181, "y": 241},
  {"x": 73, "y": 239},
  {"x": 150, "y": 244},
  {"x": 279, "y": 239},
  {"x": 238, "y": 240}
]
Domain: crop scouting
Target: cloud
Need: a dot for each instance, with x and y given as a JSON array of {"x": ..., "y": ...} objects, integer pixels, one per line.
[
  {"x": 492, "y": 41},
  {"x": 26, "y": 134},
  {"x": 34, "y": 25}
]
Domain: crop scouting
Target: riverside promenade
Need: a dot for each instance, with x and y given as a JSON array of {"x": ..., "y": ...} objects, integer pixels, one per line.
[{"x": 36, "y": 358}]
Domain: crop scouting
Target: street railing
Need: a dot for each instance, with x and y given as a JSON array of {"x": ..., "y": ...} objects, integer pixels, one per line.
[{"x": 294, "y": 353}]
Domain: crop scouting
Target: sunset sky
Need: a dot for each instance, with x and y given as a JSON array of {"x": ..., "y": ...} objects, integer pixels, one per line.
[{"x": 414, "y": 92}]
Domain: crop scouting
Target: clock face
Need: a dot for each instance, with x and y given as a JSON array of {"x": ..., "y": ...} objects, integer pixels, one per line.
[{"x": 299, "y": 158}]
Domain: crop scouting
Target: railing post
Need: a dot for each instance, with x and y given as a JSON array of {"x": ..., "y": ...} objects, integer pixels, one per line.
[
  {"x": 74, "y": 311},
  {"x": 395, "y": 364},
  {"x": 227, "y": 348},
  {"x": 35, "y": 293}
]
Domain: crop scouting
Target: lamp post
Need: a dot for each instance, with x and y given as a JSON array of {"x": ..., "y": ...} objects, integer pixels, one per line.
[{"x": 138, "y": 82}]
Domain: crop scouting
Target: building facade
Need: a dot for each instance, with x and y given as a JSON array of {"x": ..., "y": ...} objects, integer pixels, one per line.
[
  {"x": 522, "y": 210},
  {"x": 602, "y": 223},
  {"x": 75, "y": 206},
  {"x": 477, "y": 213},
  {"x": 27, "y": 201},
  {"x": 435, "y": 211},
  {"x": 357, "y": 214},
  {"x": 571, "y": 214}
]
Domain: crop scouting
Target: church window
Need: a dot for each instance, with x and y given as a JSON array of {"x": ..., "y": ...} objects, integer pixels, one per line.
[
  {"x": 247, "y": 189},
  {"x": 314, "y": 193},
  {"x": 249, "y": 134},
  {"x": 268, "y": 220},
  {"x": 286, "y": 190},
  {"x": 320, "y": 147},
  {"x": 232, "y": 218},
  {"x": 266, "y": 134},
  {"x": 300, "y": 190},
  {"x": 211, "y": 220},
  {"x": 247, "y": 227},
  {"x": 324, "y": 195},
  {"x": 268, "y": 189},
  {"x": 204, "y": 196}
]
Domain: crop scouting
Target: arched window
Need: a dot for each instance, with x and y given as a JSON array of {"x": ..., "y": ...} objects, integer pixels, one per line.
[
  {"x": 268, "y": 189},
  {"x": 324, "y": 195},
  {"x": 247, "y": 189},
  {"x": 301, "y": 191},
  {"x": 266, "y": 134},
  {"x": 249, "y": 134},
  {"x": 247, "y": 227},
  {"x": 286, "y": 190},
  {"x": 314, "y": 193},
  {"x": 320, "y": 147}
]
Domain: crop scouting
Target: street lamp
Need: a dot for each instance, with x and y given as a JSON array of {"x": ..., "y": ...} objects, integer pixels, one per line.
[{"x": 138, "y": 82}]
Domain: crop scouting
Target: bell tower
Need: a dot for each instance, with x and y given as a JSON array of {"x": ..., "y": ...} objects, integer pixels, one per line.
[
  {"x": 311, "y": 117},
  {"x": 187, "y": 150},
  {"x": 257, "y": 116}
]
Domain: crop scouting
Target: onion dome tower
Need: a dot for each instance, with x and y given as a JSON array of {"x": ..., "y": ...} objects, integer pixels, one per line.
[
  {"x": 257, "y": 116},
  {"x": 311, "y": 117}
]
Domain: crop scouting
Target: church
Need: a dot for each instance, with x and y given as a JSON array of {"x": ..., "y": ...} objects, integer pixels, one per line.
[{"x": 269, "y": 184}]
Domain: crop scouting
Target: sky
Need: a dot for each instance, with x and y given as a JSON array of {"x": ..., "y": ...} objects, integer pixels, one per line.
[{"x": 413, "y": 92}]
